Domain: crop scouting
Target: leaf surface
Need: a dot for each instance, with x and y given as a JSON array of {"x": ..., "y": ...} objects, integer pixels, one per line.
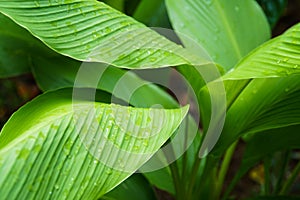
[
  {"x": 222, "y": 27},
  {"x": 78, "y": 149},
  {"x": 88, "y": 30}
]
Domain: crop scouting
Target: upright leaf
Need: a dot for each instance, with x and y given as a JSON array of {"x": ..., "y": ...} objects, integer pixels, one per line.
[
  {"x": 135, "y": 187},
  {"x": 15, "y": 44},
  {"x": 273, "y": 9},
  {"x": 222, "y": 27},
  {"x": 277, "y": 58},
  {"x": 153, "y": 13},
  {"x": 264, "y": 102},
  {"x": 77, "y": 149}
]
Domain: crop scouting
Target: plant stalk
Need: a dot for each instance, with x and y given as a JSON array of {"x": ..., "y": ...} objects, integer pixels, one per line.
[
  {"x": 288, "y": 184},
  {"x": 224, "y": 169}
]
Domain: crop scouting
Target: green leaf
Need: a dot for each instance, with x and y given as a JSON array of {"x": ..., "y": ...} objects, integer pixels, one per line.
[
  {"x": 135, "y": 187},
  {"x": 222, "y": 27},
  {"x": 153, "y": 13},
  {"x": 261, "y": 104},
  {"x": 14, "y": 45},
  {"x": 273, "y": 9},
  {"x": 59, "y": 71},
  {"x": 78, "y": 149},
  {"x": 84, "y": 30},
  {"x": 117, "y": 4},
  {"x": 161, "y": 179},
  {"x": 277, "y": 58}
]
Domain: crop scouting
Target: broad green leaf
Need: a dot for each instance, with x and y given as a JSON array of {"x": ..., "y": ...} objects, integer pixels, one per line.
[
  {"x": 130, "y": 6},
  {"x": 78, "y": 149},
  {"x": 256, "y": 148},
  {"x": 135, "y": 187},
  {"x": 88, "y": 30},
  {"x": 258, "y": 104},
  {"x": 161, "y": 179},
  {"x": 153, "y": 13},
  {"x": 277, "y": 58},
  {"x": 273, "y": 9},
  {"x": 59, "y": 71},
  {"x": 261, "y": 104},
  {"x": 117, "y": 4},
  {"x": 223, "y": 27}
]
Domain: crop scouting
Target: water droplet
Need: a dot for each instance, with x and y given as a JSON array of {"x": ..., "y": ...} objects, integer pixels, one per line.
[
  {"x": 108, "y": 172},
  {"x": 96, "y": 162},
  {"x": 296, "y": 66},
  {"x": 54, "y": 23},
  {"x": 37, "y": 3},
  {"x": 208, "y": 2},
  {"x": 278, "y": 61},
  {"x": 181, "y": 25},
  {"x": 145, "y": 143},
  {"x": 50, "y": 193},
  {"x": 285, "y": 60},
  {"x": 187, "y": 8},
  {"x": 107, "y": 30},
  {"x": 136, "y": 147},
  {"x": 153, "y": 59},
  {"x": 56, "y": 186},
  {"x": 237, "y": 8}
]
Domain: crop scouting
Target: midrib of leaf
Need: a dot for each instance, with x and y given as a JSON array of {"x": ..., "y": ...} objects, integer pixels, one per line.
[{"x": 229, "y": 31}]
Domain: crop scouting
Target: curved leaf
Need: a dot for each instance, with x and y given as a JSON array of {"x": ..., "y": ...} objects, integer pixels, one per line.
[
  {"x": 88, "y": 30},
  {"x": 59, "y": 71},
  {"x": 153, "y": 13},
  {"x": 273, "y": 9},
  {"x": 222, "y": 27},
  {"x": 277, "y": 58},
  {"x": 135, "y": 187},
  {"x": 261, "y": 104},
  {"x": 77, "y": 149},
  {"x": 14, "y": 45}
]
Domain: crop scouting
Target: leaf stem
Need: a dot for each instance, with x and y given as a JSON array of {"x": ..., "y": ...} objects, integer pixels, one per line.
[
  {"x": 288, "y": 184},
  {"x": 224, "y": 168},
  {"x": 285, "y": 157},
  {"x": 267, "y": 165}
]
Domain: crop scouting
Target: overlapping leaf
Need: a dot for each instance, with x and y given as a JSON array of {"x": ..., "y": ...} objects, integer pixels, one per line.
[
  {"x": 265, "y": 102},
  {"x": 81, "y": 149},
  {"x": 222, "y": 27},
  {"x": 88, "y": 30},
  {"x": 16, "y": 48},
  {"x": 277, "y": 58}
]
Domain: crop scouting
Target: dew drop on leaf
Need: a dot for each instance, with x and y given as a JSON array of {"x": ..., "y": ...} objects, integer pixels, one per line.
[
  {"x": 237, "y": 8},
  {"x": 108, "y": 172},
  {"x": 296, "y": 66},
  {"x": 37, "y": 4},
  {"x": 208, "y": 2}
]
